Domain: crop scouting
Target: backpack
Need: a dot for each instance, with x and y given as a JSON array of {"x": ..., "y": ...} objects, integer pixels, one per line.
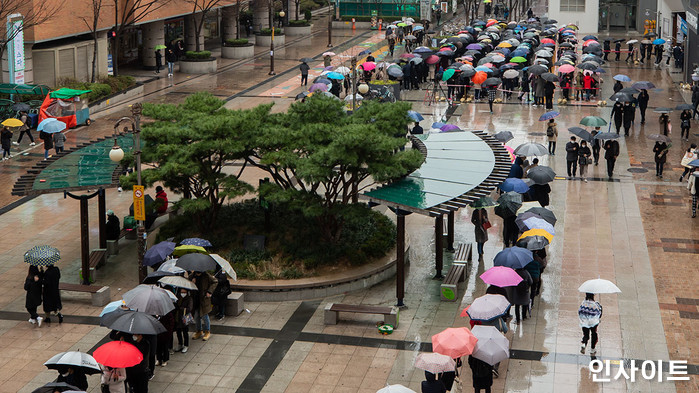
[{"x": 549, "y": 131}]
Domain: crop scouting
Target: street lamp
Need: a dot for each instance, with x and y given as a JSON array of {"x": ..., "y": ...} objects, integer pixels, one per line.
[
  {"x": 271, "y": 46},
  {"x": 116, "y": 155}
]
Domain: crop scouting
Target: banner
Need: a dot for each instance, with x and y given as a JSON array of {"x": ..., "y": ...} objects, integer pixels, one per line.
[{"x": 139, "y": 203}]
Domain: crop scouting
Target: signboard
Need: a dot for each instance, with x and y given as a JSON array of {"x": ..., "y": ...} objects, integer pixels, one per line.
[
  {"x": 445, "y": 7},
  {"x": 16, "y": 48},
  {"x": 425, "y": 10},
  {"x": 110, "y": 65},
  {"x": 682, "y": 25},
  {"x": 691, "y": 20},
  {"x": 139, "y": 203}
]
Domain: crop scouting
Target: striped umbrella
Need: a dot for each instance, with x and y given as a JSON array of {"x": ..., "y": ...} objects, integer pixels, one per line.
[{"x": 42, "y": 256}]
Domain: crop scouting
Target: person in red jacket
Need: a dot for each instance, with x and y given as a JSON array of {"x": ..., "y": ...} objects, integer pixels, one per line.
[
  {"x": 588, "y": 83},
  {"x": 162, "y": 196}
]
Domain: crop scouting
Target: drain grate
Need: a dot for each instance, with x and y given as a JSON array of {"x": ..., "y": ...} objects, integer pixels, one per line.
[{"x": 637, "y": 170}]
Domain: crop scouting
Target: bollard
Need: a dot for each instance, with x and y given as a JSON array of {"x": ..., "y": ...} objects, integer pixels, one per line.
[{"x": 353, "y": 26}]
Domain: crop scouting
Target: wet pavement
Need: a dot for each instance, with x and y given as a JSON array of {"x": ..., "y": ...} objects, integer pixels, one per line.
[{"x": 635, "y": 230}]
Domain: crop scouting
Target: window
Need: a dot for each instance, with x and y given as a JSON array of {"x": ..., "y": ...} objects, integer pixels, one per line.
[{"x": 572, "y": 5}]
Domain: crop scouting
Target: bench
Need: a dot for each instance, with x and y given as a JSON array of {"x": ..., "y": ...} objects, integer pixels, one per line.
[
  {"x": 333, "y": 309},
  {"x": 464, "y": 253},
  {"x": 457, "y": 273},
  {"x": 100, "y": 295}
]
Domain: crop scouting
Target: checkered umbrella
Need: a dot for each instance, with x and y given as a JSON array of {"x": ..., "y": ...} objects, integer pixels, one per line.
[
  {"x": 42, "y": 256},
  {"x": 195, "y": 241}
]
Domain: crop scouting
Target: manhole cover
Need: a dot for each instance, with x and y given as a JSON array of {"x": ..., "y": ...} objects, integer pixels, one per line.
[
  {"x": 537, "y": 133},
  {"x": 637, "y": 170}
]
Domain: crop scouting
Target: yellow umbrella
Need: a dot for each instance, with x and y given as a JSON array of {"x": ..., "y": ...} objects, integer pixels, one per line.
[
  {"x": 187, "y": 249},
  {"x": 537, "y": 232},
  {"x": 504, "y": 44},
  {"x": 12, "y": 122}
]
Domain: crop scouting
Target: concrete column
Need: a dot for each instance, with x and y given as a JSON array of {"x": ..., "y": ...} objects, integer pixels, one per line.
[
  {"x": 291, "y": 6},
  {"x": 153, "y": 34},
  {"x": 229, "y": 23},
  {"x": 103, "y": 53},
  {"x": 260, "y": 15},
  {"x": 190, "y": 39}
]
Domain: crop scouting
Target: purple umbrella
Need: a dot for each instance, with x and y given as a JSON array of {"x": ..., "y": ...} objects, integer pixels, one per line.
[
  {"x": 318, "y": 86},
  {"x": 449, "y": 127},
  {"x": 474, "y": 47}
]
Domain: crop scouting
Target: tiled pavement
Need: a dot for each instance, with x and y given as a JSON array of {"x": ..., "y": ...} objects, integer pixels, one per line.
[{"x": 636, "y": 232}]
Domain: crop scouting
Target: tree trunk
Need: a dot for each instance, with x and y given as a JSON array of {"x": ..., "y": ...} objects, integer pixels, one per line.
[
  {"x": 237, "y": 20},
  {"x": 197, "y": 32},
  {"x": 94, "y": 58},
  {"x": 115, "y": 53},
  {"x": 298, "y": 5}
]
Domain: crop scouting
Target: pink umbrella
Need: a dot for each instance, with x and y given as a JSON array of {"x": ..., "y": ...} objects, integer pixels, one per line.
[
  {"x": 501, "y": 276},
  {"x": 566, "y": 69},
  {"x": 407, "y": 56},
  {"x": 435, "y": 363},
  {"x": 432, "y": 59},
  {"x": 454, "y": 342},
  {"x": 509, "y": 150},
  {"x": 368, "y": 65},
  {"x": 318, "y": 86},
  {"x": 487, "y": 307}
]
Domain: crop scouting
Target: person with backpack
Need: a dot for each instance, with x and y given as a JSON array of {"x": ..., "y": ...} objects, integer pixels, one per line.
[
  {"x": 551, "y": 135},
  {"x": 25, "y": 129},
  {"x": 589, "y": 314}
]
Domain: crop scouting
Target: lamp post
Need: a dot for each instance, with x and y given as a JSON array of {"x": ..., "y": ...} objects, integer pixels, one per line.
[
  {"x": 116, "y": 155},
  {"x": 330, "y": 32},
  {"x": 271, "y": 43}
]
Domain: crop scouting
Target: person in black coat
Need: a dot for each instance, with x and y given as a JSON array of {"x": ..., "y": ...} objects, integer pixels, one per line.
[
  {"x": 540, "y": 193},
  {"x": 32, "y": 284},
  {"x": 617, "y": 113},
  {"x": 432, "y": 384},
  {"x": 643, "y": 99},
  {"x": 482, "y": 374},
  {"x": 628, "y": 113},
  {"x": 596, "y": 147},
  {"x": 112, "y": 228},
  {"x": 631, "y": 54},
  {"x": 137, "y": 376},
  {"x": 549, "y": 89},
  {"x": 617, "y": 50},
  {"x": 607, "y": 49},
  {"x": 510, "y": 231},
  {"x": 73, "y": 376},
  {"x": 685, "y": 124},
  {"x": 52, "y": 295},
  {"x": 48, "y": 143},
  {"x": 572, "y": 156},
  {"x": 618, "y": 86},
  {"x": 158, "y": 61},
  {"x": 449, "y": 377},
  {"x": 660, "y": 149},
  {"x": 406, "y": 77},
  {"x": 611, "y": 152}
]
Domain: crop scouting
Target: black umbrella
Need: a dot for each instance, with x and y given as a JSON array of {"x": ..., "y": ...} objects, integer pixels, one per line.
[
  {"x": 588, "y": 66},
  {"x": 532, "y": 243},
  {"x": 549, "y": 77},
  {"x": 541, "y": 174},
  {"x": 629, "y": 90},
  {"x": 52, "y": 387},
  {"x": 684, "y": 107},
  {"x": 606, "y": 135},
  {"x": 581, "y": 132},
  {"x": 659, "y": 138},
  {"x": 504, "y": 136},
  {"x": 544, "y": 213},
  {"x": 153, "y": 277},
  {"x": 537, "y": 69},
  {"x": 21, "y": 107},
  {"x": 643, "y": 85},
  {"x": 509, "y": 203},
  {"x": 306, "y": 60},
  {"x": 662, "y": 110},
  {"x": 301, "y": 95},
  {"x": 135, "y": 322},
  {"x": 492, "y": 81},
  {"x": 109, "y": 318},
  {"x": 469, "y": 72},
  {"x": 620, "y": 97},
  {"x": 196, "y": 262}
]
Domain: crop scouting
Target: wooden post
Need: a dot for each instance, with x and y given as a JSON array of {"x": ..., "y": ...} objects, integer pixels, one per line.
[
  {"x": 450, "y": 231},
  {"x": 102, "y": 212},
  {"x": 84, "y": 241},
  {"x": 438, "y": 245},
  {"x": 400, "y": 258}
]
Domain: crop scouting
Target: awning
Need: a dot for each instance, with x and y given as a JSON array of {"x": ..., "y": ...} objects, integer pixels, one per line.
[{"x": 459, "y": 168}]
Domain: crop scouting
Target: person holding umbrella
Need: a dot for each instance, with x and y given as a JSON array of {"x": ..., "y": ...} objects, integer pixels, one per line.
[
  {"x": 32, "y": 284},
  {"x": 689, "y": 156},
  {"x": 519, "y": 295},
  {"x": 206, "y": 284},
  {"x": 72, "y": 376},
  {"x": 589, "y": 314},
  {"x": 584, "y": 159},
  {"x": 595, "y": 145},
  {"x": 48, "y": 143},
  {"x": 549, "y": 89},
  {"x": 643, "y": 99},
  {"x": 114, "y": 379},
  {"x": 611, "y": 152},
  {"x": 685, "y": 124},
  {"x": 660, "y": 149},
  {"x": 479, "y": 219},
  {"x": 158, "y": 61},
  {"x": 304, "y": 67},
  {"x": 432, "y": 385},
  {"x": 6, "y": 141},
  {"x": 552, "y": 135},
  {"x": 25, "y": 129},
  {"x": 492, "y": 91},
  {"x": 618, "y": 113},
  {"x": 137, "y": 376},
  {"x": 664, "y": 122}
]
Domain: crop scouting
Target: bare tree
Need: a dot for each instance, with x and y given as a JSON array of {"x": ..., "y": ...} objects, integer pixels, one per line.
[
  {"x": 200, "y": 8},
  {"x": 126, "y": 14},
  {"x": 92, "y": 23},
  {"x": 33, "y": 14}
]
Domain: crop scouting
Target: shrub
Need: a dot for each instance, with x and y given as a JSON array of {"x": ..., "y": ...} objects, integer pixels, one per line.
[
  {"x": 237, "y": 42},
  {"x": 99, "y": 90},
  {"x": 307, "y": 14},
  {"x": 277, "y": 31},
  {"x": 383, "y": 82},
  {"x": 203, "y": 55},
  {"x": 103, "y": 88},
  {"x": 348, "y": 18},
  {"x": 299, "y": 23}
]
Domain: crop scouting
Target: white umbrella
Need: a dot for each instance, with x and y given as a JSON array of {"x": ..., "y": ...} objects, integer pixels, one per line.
[
  {"x": 599, "y": 285},
  {"x": 487, "y": 307},
  {"x": 629, "y": 42},
  {"x": 349, "y": 97},
  {"x": 179, "y": 282},
  {"x": 526, "y": 206},
  {"x": 149, "y": 299},
  {"x": 169, "y": 266},
  {"x": 74, "y": 359},
  {"x": 343, "y": 70},
  {"x": 225, "y": 265},
  {"x": 435, "y": 362},
  {"x": 395, "y": 389},
  {"x": 492, "y": 346}
]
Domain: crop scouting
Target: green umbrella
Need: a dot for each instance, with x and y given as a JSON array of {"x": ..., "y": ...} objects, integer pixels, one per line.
[
  {"x": 518, "y": 59},
  {"x": 401, "y": 24},
  {"x": 593, "y": 121},
  {"x": 483, "y": 203},
  {"x": 161, "y": 46},
  {"x": 448, "y": 74}
]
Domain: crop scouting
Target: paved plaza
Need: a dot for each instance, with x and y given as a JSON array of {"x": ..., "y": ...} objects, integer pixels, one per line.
[{"x": 635, "y": 230}]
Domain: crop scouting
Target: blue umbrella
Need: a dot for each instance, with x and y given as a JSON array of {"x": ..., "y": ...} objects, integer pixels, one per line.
[
  {"x": 484, "y": 69},
  {"x": 158, "y": 253},
  {"x": 335, "y": 75},
  {"x": 113, "y": 306},
  {"x": 513, "y": 257},
  {"x": 658, "y": 41},
  {"x": 600, "y": 71},
  {"x": 42, "y": 256},
  {"x": 549, "y": 115},
  {"x": 423, "y": 49},
  {"x": 622, "y": 78},
  {"x": 195, "y": 241},
  {"x": 51, "y": 126},
  {"x": 438, "y": 125},
  {"x": 694, "y": 163},
  {"x": 416, "y": 28},
  {"x": 415, "y": 116},
  {"x": 364, "y": 52},
  {"x": 514, "y": 184}
]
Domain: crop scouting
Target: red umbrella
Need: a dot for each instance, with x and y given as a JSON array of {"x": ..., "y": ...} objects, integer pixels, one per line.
[
  {"x": 588, "y": 42},
  {"x": 432, "y": 59},
  {"x": 480, "y": 77},
  {"x": 454, "y": 342},
  {"x": 118, "y": 354},
  {"x": 491, "y": 22},
  {"x": 548, "y": 41}
]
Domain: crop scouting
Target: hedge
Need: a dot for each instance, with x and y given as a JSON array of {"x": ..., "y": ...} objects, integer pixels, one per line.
[
  {"x": 268, "y": 31},
  {"x": 203, "y": 55},
  {"x": 298, "y": 23},
  {"x": 102, "y": 88},
  {"x": 237, "y": 42},
  {"x": 348, "y": 18}
]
